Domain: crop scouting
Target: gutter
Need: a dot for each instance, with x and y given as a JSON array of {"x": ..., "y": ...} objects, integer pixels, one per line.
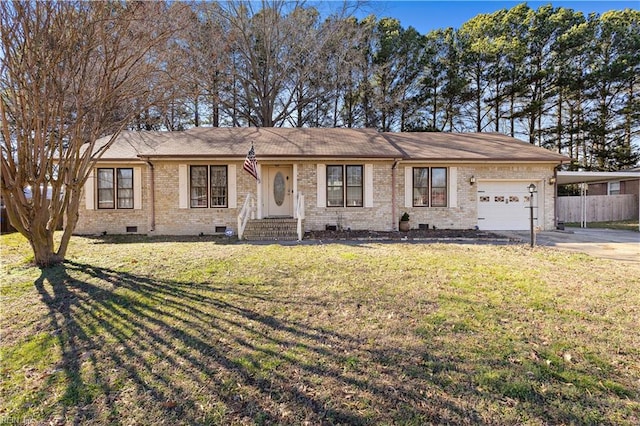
[
  {"x": 152, "y": 192},
  {"x": 555, "y": 196}
]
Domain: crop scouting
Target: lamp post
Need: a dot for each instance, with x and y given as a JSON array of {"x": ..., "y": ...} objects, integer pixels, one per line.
[{"x": 532, "y": 190}]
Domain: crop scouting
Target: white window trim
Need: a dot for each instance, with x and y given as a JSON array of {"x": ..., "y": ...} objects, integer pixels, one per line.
[
  {"x": 89, "y": 191},
  {"x": 368, "y": 186},
  {"x": 183, "y": 186},
  {"x": 321, "y": 190},
  {"x": 137, "y": 188},
  {"x": 232, "y": 186},
  {"x": 611, "y": 189},
  {"x": 452, "y": 187},
  {"x": 408, "y": 186}
]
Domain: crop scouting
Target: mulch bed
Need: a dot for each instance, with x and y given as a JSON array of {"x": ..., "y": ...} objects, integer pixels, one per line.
[{"x": 413, "y": 234}]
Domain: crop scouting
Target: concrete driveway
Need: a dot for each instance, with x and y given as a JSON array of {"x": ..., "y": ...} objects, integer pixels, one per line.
[{"x": 604, "y": 243}]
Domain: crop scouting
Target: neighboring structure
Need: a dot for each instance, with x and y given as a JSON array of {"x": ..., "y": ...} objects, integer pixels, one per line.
[
  {"x": 627, "y": 184},
  {"x": 604, "y": 196},
  {"x": 192, "y": 182},
  {"x": 5, "y": 226}
]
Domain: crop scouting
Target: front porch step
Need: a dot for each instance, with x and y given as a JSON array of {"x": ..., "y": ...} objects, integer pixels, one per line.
[{"x": 271, "y": 229}]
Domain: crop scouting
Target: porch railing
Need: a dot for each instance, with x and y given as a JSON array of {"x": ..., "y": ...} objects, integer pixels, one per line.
[
  {"x": 299, "y": 214},
  {"x": 248, "y": 211}
]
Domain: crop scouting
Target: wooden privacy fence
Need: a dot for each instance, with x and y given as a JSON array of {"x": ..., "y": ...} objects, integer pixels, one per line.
[
  {"x": 5, "y": 226},
  {"x": 598, "y": 208}
]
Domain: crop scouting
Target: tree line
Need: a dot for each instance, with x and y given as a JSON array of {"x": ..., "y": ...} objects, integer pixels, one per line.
[{"x": 551, "y": 76}]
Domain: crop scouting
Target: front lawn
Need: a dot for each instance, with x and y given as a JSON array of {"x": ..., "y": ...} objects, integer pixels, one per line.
[{"x": 135, "y": 331}]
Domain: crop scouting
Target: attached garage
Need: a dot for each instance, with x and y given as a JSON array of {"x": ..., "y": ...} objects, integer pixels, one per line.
[{"x": 504, "y": 205}]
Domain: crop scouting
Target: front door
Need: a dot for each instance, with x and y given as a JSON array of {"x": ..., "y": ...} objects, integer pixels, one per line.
[{"x": 279, "y": 191}]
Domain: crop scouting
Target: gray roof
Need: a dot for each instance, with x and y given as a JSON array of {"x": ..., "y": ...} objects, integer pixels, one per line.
[{"x": 230, "y": 142}]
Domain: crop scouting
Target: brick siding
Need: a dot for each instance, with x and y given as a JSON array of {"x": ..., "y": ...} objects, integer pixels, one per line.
[{"x": 172, "y": 220}]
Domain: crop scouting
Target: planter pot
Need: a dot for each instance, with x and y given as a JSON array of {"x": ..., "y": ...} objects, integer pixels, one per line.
[{"x": 403, "y": 225}]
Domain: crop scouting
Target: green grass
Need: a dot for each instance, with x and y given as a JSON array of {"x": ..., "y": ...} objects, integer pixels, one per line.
[
  {"x": 132, "y": 330},
  {"x": 625, "y": 225}
]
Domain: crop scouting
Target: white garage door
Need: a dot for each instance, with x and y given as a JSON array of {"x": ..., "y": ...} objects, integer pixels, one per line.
[{"x": 504, "y": 206}]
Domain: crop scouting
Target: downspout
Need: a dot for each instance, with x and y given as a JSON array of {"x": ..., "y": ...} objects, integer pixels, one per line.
[
  {"x": 555, "y": 197},
  {"x": 152, "y": 192},
  {"x": 394, "y": 220}
]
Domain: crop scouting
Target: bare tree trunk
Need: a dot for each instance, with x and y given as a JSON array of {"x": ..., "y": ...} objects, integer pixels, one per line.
[
  {"x": 215, "y": 111},
  {"x": 70, "y": 222},
  {"x": 89, "y": 84},
  {"x": 196, "y": 112},
  {"x": 43, "y": 249},
  {"x": 559, "y": 124},
  {"x": 629, "y": 116}
]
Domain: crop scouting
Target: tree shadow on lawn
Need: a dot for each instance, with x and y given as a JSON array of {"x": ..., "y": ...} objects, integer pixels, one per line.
[
  {"x": 161, "y": 351},
  {"x": 135, "y": 348}
]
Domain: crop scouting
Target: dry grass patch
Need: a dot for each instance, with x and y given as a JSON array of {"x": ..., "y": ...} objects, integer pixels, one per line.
[{"x": 131, "y": 330}]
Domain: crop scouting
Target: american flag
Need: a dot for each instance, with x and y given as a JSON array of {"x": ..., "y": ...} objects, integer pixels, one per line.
[{"x": 251, "y": 164}]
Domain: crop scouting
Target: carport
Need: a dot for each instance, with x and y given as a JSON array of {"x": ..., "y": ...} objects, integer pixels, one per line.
[{"x": 565, "y": 178}]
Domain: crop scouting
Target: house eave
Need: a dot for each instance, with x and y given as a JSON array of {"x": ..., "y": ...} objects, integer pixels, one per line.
[
  {"x": 209, "y": 157},
  {"x": 140, "y": 160},
  {"x": 483, "y": 161},
  {"x": 324, "y": 158}
]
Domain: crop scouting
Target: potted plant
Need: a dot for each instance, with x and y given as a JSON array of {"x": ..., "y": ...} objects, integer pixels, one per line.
[{"x": 403, "y": 226}]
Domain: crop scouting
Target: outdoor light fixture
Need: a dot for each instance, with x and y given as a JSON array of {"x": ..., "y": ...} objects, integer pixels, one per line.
[
  {"x": 552, "y": 180},
  {"x": 472, "y": 180},
  {"x": 532, "y": 190}
]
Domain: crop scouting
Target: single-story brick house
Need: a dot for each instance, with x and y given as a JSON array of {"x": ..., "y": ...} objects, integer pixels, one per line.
[{"x": 193, "y": 182}]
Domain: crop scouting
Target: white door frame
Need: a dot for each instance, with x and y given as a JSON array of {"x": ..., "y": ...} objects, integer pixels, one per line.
[{"x": 265, "y": 189}]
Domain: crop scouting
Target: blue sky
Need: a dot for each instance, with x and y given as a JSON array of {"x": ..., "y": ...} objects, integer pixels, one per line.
[{"x": 427, "y": 15}]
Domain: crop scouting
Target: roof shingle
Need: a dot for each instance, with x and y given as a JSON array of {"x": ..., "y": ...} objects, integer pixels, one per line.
[
  {"x": 229, "y": 142},
  {"x": 468, "y": 147}
]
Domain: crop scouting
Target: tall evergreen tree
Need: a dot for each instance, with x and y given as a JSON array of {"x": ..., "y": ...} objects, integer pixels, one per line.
[{"x": 612, "y": 83}]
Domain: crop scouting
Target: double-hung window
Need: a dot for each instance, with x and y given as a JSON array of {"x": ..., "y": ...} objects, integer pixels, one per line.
[
  {"x": 219, "y": 187},
  {"x": 421, "y": 187},
  {"x": 209, "y": 186},
  {"x": 199, "y": 181},
  {"x": 115, "y": 188},
  {"x": 345, "y": 186},
  {"x": 614, "y": 188},
  {"x": 429, "y": 187}
]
